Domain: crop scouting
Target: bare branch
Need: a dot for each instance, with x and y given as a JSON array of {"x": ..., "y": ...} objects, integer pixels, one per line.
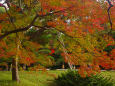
[{"x": 108, "y": 11}]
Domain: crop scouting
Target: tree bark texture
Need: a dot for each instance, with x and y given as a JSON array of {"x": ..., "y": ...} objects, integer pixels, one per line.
[{"x": 15, "y": 75}]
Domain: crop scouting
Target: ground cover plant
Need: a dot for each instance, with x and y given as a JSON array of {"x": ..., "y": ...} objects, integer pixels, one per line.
[{"x": 73, "y": 78}]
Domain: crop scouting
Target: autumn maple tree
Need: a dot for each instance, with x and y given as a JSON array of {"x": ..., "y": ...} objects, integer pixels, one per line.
[{"x": 81, "y": 26}]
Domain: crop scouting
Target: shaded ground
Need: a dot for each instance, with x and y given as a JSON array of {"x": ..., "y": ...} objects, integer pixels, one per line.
[{"x": 37, "y": 78}]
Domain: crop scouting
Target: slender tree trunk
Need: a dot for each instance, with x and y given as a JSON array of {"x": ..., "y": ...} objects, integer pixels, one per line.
[
  {"x": 24, "y": 66},
  {"x": 15, "y": 75},
  {"x": 63, "y": 66},
  {"x": 20, "y": 3},
  {"x": 64, "y": 50},
  {"x": 11, "y": 67},
  {"x": 7, "y": 68}
]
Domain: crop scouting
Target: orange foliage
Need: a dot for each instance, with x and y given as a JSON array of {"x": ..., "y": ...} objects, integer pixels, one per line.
[{"x": 75, "y": 18}]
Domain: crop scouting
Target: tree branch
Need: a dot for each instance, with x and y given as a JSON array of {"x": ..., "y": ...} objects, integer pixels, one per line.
[
  {"x": 10, "y": 19},
  {"x": 19, "y": 29},
  {"x": 31, "y": 24},
  {"x": 108, "y": 11}
]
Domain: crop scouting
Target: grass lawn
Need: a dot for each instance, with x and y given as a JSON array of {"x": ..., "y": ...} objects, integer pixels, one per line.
[{"x": 37, "y": 78}]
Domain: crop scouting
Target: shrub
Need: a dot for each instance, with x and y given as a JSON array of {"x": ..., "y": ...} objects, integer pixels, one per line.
[{"x": 72, "y": 78}]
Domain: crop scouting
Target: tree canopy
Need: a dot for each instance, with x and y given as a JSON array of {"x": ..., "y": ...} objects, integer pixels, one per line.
[{"x": 82, "y": 28}]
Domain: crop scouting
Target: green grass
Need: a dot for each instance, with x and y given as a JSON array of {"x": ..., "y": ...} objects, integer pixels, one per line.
[
  {"x": 109, "y": 73},
  {"x": 37, "y": 78}
]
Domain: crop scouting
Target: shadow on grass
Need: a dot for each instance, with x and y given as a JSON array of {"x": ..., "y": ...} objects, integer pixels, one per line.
[
  {"x": 7, "y": 83},
  {"x": 13, "y": 83},
  {"x": 51, "y": 83}
]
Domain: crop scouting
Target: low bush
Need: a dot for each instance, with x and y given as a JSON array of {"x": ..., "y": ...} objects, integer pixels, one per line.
[{"x": 72, "y": 78}]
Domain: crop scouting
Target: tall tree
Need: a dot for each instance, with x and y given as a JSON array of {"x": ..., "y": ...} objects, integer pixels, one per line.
[{"x": 77, "y": 20}]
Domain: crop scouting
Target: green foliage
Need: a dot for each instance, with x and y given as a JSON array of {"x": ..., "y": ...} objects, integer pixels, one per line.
[
  {"x": 109, "y": 48},
  {"x": 7, "y": 60},
  {"x": 72, "y": 78},
  {"x": 113, "y": 34},
  {"x": 2, "y": 10},
  {"x": 40, "y": 36}
]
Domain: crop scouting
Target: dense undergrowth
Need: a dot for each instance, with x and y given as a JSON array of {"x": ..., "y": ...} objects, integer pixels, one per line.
[{"x": 72, "y": 78}]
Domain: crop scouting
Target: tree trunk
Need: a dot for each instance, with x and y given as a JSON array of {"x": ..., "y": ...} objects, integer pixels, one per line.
[
  {"x": 15, "y": 75},
  {"x": 6, "y": 67},
  {"x": 24, "y": 66},
  {"x": 63, "y": 67},
  {"x": 11, "y": 67},
  {"x": 64, "y": 50}
]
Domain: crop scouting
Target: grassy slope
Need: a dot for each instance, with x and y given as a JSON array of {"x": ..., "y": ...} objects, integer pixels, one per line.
[{"x": 36, "y": 78}]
